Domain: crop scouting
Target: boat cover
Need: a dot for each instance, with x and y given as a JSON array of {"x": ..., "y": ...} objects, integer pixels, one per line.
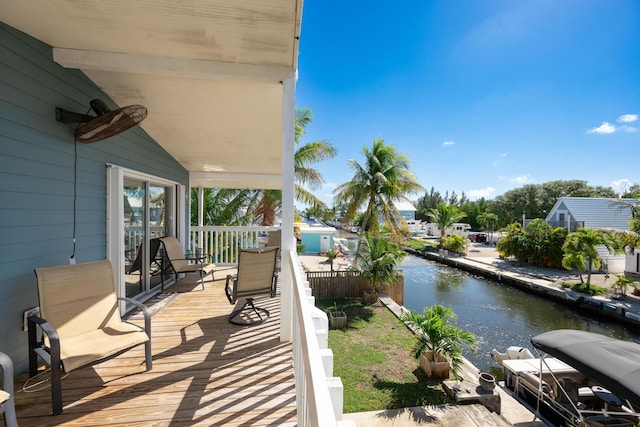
[{"x": 613, "y": 363}]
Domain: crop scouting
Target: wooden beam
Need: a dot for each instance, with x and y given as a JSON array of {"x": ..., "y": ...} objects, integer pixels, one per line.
[
  {"x": 235, "y": 180},
  {"x": 169, "y": 67}
]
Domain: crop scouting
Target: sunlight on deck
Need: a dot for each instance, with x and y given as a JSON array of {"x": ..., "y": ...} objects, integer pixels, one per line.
[{"x": 205, "y": 372}]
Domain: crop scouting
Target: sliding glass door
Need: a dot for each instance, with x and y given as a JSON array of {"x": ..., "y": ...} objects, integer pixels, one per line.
[{"x": 147, "y": 211}]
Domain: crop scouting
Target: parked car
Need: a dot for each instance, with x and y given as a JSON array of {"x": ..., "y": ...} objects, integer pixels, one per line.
[{"x": 478, "y": 237}]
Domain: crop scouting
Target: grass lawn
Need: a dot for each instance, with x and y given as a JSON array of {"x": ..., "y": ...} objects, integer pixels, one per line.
[{"x": 372, "y": 356}]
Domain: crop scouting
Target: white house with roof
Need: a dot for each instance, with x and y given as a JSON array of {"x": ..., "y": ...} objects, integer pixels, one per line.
[
  {"x": 406, "y": 209},
  {"x": 600, "y": 213}
]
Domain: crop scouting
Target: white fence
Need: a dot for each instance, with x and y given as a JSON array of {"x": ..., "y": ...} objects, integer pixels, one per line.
[{"x": 223, "y": 244}]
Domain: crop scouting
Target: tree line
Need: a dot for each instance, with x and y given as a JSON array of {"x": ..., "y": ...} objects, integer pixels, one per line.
[{"x": 531, "y": 200}]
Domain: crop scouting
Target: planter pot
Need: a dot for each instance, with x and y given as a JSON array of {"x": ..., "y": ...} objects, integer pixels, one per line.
[
  {"x": 487, "y": 381},
  {"x": 370, "y": 297},
  {"x": 438, "y": 368},
  {"x": 337, "y": 319}
]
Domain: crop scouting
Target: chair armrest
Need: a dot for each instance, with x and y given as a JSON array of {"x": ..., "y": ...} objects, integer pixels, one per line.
[
  {"x": 274, "y": 284},
  {"x": 7, "y": 373},
  {"x": 54, "y": 344},
  {"x": 145, "y": 313},
  {"x": 46, "y": 327},
  {"x": 228, "y": 290}
]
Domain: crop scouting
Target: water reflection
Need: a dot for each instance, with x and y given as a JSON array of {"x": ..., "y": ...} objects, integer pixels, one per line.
[{"x": 498, "y": 315}]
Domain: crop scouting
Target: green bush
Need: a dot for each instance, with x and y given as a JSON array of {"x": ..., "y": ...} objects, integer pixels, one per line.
[
  {"x": 300, "y": 248},
  {"x": 538, "y": 244},
  {"x": 455, "y": 243}
]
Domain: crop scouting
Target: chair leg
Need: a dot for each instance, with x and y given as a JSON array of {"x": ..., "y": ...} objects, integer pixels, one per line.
[
  {"x": 249, "y": 306},
  {"x": 10, "y": 419},
  {"x": 147, "y": 355},
  {"x": 56, "y": 381}
]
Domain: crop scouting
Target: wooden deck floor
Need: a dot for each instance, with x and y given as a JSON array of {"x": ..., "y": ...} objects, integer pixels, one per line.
[{"x": 206, "y": 372}]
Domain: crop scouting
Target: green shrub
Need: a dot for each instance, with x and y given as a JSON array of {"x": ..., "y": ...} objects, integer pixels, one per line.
[{"x": 455, "y": 243}]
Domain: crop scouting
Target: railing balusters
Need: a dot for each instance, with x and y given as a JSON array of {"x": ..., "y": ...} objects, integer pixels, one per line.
[{"x": 223, "y": 244}]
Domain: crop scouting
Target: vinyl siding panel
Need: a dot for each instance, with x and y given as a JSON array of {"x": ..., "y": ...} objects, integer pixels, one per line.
[{"x": 37, "y": 175}]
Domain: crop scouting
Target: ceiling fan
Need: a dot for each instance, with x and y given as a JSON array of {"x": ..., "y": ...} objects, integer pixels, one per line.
[{"x": 105, "y": 124}]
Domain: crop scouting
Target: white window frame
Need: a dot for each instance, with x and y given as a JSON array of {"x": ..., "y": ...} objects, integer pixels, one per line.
[{"x": 115, "y": 216}]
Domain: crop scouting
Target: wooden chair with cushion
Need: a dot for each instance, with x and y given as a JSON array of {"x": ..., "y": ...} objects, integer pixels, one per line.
[
  {"x": 256, "y": 277},
  {"x": 6, "y": 392},
  {"x": 80, "y": 322},
  {"x": 178, "y": 263}
]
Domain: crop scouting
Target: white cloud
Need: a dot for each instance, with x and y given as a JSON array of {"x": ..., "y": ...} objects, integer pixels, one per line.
[
  {"x": 329, "y": 186},
  {"x": 621, "y": 185},
  {"x": 628, "y": 129},
  {"x": 627, "y": 118},
  {"x": 603, "y": 129},
  {"x": 483, "y": 192},
  {"x": 497, "y": 161},
  {"x": 521, "y": 180},
  {"x": 447, "y": 143}
]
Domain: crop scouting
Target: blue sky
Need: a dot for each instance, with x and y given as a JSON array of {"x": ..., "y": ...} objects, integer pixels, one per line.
[{"x": 483, "y": 95}]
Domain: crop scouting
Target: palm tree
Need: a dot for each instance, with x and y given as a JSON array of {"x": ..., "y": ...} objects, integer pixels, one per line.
[
  {"x": 489, "y": 221},
  {"x": 445, "y": 216},
  {"x": 331, "y": 255},
  {"x": 222, "y": 206},
  {"x": 383, "y": 179},
  {"x": 580, "y": 246},
  {"x": 436, "y": 333},
  {"x": 377, "y": 259},
  {"x": 306, "y": 176}
]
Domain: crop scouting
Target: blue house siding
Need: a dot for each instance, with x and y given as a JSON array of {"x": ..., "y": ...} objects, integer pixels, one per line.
[{"x": 37, "y": 175}]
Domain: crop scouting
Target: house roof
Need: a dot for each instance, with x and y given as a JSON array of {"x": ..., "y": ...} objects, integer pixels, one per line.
[
  {"x": 596, "y": 212},
  {"x": 210, "y": 73},
  {"x": 404, "y": 206}
]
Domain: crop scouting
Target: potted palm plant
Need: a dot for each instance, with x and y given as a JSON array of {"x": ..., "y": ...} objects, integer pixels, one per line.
[
  {"x": 377, "y": 259},
  {"x": 439, "y": 343}
]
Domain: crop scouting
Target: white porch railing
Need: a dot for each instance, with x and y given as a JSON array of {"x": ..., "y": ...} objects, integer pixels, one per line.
[
  {"x": 319, "y": 396},
  {"x": 224, "y": 243}
]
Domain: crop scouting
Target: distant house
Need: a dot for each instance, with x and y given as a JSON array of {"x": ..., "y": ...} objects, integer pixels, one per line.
[
  {"x": 317, "y": 239},
  {"x": 407, "y": 210},
  {"x": 599, "y": 213},
  {"x": 590, "y": 212}
]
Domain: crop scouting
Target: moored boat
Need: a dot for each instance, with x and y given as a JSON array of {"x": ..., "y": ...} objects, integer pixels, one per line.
[{"x": 580, "y": 379}]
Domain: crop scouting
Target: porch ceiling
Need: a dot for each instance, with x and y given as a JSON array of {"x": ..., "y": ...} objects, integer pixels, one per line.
[{"x": 209, "y": 72}]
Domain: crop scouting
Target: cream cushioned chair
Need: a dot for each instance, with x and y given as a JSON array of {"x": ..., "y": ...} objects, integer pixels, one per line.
[
  {"x": 178, "y": 263},
  {"x": 80, "y": 322},
  {"x": 256, "y": 277},
  {"x": 6, "y": 392}
]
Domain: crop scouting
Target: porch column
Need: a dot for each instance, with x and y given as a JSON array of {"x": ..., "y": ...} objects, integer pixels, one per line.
[
  {"x": 200, "y": 215},
  {"x": 288, "y": 245}
]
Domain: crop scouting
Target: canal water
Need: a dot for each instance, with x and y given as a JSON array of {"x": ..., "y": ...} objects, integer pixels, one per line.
[{"x": 500, "y": 316}]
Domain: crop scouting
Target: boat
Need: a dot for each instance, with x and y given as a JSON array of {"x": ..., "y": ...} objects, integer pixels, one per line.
[
  {"x": 512, "y": 353},
  {"x": 341, "y": 245},
  {"x": 580, "y": 379}
]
